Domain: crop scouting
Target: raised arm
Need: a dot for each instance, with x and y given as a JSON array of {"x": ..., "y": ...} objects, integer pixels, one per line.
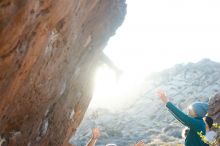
[
  {"x": 180, "y": 116},
  {"x": 95, "y": 136},
  {"x": 177, "y": 113}
]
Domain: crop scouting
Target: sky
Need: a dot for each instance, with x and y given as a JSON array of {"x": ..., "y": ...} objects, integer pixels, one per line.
[
  {"x": 165, "y": 33},
  {"x": 155, "y": 35}
]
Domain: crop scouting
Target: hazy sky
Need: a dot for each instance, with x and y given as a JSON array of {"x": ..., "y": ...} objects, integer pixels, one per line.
[{"x": 155, "y": 35}]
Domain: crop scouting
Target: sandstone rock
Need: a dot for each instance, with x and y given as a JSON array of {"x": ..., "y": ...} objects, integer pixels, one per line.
[
  {"x": 214, "y": 108},
  {"x": 48, "y": 54}
]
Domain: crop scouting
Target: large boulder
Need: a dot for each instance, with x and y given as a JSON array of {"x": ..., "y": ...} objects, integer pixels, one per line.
[
  {"x": 147, "y": 118},
  {"x": 214, "y": 108},
  {"x": 48, "y": 54}
]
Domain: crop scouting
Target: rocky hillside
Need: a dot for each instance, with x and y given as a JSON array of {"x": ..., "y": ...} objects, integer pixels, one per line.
[
  {"x": 49, "y": 50},
  {"x": 147, "y": 118}
]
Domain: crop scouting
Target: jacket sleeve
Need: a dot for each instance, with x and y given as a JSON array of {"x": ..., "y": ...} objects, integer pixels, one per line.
[{"x": 182, "y": 117}]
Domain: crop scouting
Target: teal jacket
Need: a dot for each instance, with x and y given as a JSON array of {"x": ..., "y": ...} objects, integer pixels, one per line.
[{"x": 195, "y": 125}]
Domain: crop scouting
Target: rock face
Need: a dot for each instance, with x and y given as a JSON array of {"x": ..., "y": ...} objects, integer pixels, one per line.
[
  {"x": 48, "y": 53},
  {"x": 147, "y": 118},
  {"x": 214, "y": 108}
]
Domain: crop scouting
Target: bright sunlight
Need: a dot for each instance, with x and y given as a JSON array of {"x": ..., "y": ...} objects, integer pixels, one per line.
[{"x": 156, "y": 35}]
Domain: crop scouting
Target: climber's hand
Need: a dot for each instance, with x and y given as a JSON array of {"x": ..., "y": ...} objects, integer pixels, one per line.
[
  {"x": 163, "y": 96},
  {"x": 95, "y": 133},
  {"x": 140, "y": 143}
]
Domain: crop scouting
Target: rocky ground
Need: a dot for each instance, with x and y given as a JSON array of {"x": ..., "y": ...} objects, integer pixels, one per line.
[{"x": 147, "y": 118}]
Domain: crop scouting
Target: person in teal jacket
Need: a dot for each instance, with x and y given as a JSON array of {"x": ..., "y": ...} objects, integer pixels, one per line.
[{"x": 193, "y": 120}]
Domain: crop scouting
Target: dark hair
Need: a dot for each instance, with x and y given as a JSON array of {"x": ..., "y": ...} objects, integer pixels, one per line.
[
  {"x": 209, "y": 121},
  {"x": 185, "y": 132}
]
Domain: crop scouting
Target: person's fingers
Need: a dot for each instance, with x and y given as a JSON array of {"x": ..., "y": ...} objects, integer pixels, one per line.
[
  {"x": 160, "y": 92},
  {"x": 95, "y": 133},
  {"x": 140, "y": 143},
  {"x": 96, "y": 130}
]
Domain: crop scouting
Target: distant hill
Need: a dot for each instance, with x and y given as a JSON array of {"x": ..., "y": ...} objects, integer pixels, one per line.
[{"x": 147, "y": 118}]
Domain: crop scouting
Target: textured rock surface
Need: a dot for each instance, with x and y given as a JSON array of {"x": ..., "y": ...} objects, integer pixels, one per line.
[
  {"x": 147, "y": 118},
  {"x": 48, "y": 52},
  {"x": 214, "y": 108}
]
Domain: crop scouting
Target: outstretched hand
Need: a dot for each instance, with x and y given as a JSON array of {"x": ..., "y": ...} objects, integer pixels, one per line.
[
  {"x": 140, "y": 143},
  {"x": 95, "y": 133},
  {"x": 163, "y": 96}
]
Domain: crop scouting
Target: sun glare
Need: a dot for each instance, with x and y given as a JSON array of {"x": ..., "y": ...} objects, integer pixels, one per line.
[
  {"x": 104, "y": 86},
  {"x": 113, "y": 93},
  {"x": 156, "y": 35}
]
